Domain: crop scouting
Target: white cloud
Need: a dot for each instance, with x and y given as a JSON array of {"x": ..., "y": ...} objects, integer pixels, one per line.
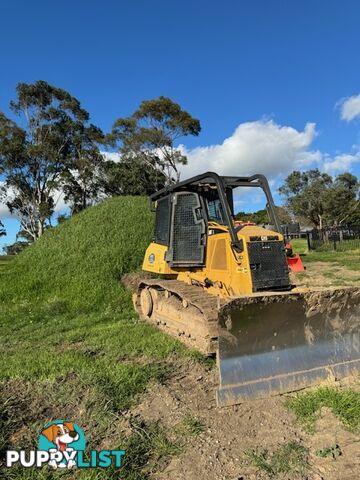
[
  {"x": 114, "y": 156},
  {"x": 341, "y": 163},
  {"x": 256, "y": 147},
  {"x": 4, "y": 211},
  {"x": 350, "y": 108},
  {"x": 59, "y": 201}
]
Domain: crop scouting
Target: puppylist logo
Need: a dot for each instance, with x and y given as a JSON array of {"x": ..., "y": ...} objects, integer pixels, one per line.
[{"x": 62, "y": 445}]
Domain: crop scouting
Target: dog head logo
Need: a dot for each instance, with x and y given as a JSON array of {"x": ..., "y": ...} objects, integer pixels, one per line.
[
  {"x": 61, "y": 434},
  {"x": 62, "y": 439}
]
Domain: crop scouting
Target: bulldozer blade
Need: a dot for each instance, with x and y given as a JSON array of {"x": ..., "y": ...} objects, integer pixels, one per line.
[{"x": 276, "y": 343}]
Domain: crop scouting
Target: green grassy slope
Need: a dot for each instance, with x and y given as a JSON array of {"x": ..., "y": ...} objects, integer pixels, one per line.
[
  {"x": 80, "y": 262},
  {"x": 69, "y": 336}
]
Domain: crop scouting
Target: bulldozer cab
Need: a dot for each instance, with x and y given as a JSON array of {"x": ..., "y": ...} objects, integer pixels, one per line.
[{"x": 184, "y": 211}]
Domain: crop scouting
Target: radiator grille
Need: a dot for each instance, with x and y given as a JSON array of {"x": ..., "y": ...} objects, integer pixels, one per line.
[{"x": 268, "y": 265}]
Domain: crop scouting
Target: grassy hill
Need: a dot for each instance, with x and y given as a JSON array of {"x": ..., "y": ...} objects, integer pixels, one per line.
[
  {"x": 70, "y": 343},
  {"x": 80, "y": 262}
]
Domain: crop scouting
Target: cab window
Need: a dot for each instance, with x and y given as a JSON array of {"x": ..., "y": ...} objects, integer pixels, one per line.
[{"x": 215, "y": 212}]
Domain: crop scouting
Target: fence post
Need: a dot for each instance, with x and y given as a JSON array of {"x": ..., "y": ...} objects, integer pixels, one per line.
[{"x": 308, "y": 240}]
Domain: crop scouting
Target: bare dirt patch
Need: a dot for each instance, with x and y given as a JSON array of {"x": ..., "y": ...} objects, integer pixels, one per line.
[
  {"x": 334, "y": 451},
  {"x": 325, "y": 274},
  {"x": 218, "y": 452}
]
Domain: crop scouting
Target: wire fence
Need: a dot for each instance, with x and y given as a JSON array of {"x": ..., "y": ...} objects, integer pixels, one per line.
[{"x": 334, "y": 238}]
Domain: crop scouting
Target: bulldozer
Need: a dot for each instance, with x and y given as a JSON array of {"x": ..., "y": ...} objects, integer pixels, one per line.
[{"x": 224, "y": 288}]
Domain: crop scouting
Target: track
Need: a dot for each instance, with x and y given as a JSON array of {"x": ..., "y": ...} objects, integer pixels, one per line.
[{"x": 182, "y": 310}]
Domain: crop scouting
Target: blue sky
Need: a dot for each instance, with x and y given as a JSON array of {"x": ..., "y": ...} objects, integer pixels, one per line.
[{"x": 254, "y": 72}]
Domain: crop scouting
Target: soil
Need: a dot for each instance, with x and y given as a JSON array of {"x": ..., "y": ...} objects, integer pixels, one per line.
[
  {"x": 219, "y": 452},
  {"x": 322, "y": 274}
]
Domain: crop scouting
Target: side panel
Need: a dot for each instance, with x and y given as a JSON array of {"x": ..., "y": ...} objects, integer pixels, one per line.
[{"x": 154, "y": 259}]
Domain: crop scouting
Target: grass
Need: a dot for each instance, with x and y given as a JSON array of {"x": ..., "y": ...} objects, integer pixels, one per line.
[
  {"x": 290, "y": 458},
  {"x": 80, "y": 262},
  {"x": 299, "y": 245},
  {"x": 69, "y": 338},
  {"x": 5, "y": 261},
  {"x": 345, "y": 404},
  {"x": 147, "y": 447},
  {"x": 192, "y": 425},
  {"x": 333, "y": 451},
  {"x": 349, "y": 258}
]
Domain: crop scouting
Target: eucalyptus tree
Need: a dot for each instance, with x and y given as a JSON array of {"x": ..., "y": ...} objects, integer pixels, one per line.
[
  {"x": 39, "y": 151},
  {"x": 322, "y": 199},
  {"x": 150, "y": 135}
]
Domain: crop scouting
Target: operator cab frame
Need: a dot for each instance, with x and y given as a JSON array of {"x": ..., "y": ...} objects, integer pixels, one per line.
[{"x": 214, "y": 195}]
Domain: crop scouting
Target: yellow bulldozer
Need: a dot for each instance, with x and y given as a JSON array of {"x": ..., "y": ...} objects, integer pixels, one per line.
[{"x": 224, "y": 288}]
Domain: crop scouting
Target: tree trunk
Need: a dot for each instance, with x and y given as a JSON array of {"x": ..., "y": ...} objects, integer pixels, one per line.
[
  {"x": 40, "y": 228},
  {"x": 320, "y": 222}
]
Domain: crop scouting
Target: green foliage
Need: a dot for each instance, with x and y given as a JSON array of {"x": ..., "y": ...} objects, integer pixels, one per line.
[
  {"x": 148, "y": 136},
  {"x": 261, "y": 217},
  {"x": 130, "y": 177},
  {"x": 306, "y": 192},
  {"x": 343, "y": 205},
  {"x": 50, "y": 141},
  {"x": 289, "y": 458},
  {"x": 322, "y": 199},
  {"x": 62, "y": 218},
  {"x": 81, "y": 184},
  {"x": 334, "y": 451},
  {"x": 345, "y": 404},
  {"x": 23, "y": 240},
  {"x": 16, "y": 247}
]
